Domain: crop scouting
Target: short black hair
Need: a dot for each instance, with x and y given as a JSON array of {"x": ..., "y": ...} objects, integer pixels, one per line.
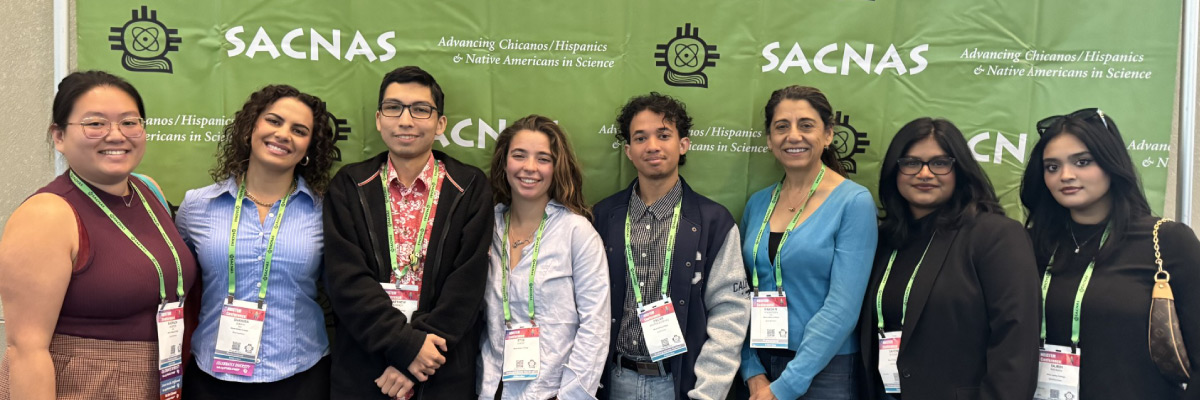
[
  {"x": 414, "y": 73},
  {"x": 77, "y": 83},
  {"x": 973, "y": 192},
  {"x": 672, "y": 110}
]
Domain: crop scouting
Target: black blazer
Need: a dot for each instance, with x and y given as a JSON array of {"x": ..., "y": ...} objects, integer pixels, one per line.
[{"x": 973, "y": 317}]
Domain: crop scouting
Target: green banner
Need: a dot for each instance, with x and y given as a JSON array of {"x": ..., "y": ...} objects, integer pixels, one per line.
[{"x": 993, "y": 68}]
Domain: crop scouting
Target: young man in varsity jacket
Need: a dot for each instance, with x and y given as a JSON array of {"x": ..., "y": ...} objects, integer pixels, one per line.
[
  {"x": 406, "y": 239},
  {"x": 674, "y": 231}
]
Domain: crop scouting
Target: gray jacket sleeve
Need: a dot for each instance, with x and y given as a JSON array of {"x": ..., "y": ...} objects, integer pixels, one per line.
[{"x": 728, "y": 304}]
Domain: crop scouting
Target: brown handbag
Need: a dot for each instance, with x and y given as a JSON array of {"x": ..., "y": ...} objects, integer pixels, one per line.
[{"x": 1166, "y": 340}]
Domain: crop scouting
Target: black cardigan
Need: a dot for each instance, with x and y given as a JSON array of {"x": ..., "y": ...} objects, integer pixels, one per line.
[
  {"x": 1114, "y": 320},
  {"x": 972, "y": 326},
  {"x": 372, "y": 335}
]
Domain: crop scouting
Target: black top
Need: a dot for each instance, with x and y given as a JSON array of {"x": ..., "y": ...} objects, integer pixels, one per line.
[
  {"x": 1115, "y": 359},
  {"x": 906, "y": 262},
  {"x": 773, "y": 245}
]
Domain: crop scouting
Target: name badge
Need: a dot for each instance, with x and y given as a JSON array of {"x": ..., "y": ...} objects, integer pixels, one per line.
[
  {"x": 404, "y": 297},
  {"x": 169, "y": 322},
  {"x": 889, "y": 352},
  {"x": 769, "y": 321},
  {"x": 1058, "y": 374},
  {"x": 522, "y": 353},
  {"x": 239, "y": 338},
  {"x": 661, "y": 330}
]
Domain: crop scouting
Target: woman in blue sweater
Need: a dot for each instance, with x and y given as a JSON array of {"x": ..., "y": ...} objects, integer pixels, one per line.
[{"x": 807, "y": 244}]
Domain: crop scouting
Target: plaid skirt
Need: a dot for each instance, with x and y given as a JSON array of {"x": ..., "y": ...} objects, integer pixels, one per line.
[{"x": 98, "y": 369}]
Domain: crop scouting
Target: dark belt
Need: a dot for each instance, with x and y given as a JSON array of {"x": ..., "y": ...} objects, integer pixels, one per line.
[{"x": 648, "y": 368}]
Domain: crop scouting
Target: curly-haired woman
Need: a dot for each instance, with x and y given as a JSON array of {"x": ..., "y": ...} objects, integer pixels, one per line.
[{"x": 257, "y": 236}]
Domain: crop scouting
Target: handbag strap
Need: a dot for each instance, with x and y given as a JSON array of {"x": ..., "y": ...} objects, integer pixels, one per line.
[{"x": 1162, "y": 275}]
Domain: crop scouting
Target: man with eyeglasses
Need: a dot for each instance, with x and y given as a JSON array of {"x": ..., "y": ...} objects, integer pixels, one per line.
[{"x": 406, "y": 238}]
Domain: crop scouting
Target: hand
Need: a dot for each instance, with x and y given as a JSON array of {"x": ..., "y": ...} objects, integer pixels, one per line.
[
  {"x": 429, "y": 359},
  {"x": 393, "y": 383},
  {"x": 760, "y": 388}
]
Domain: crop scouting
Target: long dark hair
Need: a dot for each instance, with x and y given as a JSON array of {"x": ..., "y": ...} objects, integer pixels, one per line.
[
  {"x": 973, "y": 192},
  {"x": 566, "y": 186},
  {"x": 233, "y": 153},
  {"x": 1047, "y": 220},
  {"x": 76, "y": 84},
  {"x": 819, "y": 102}
]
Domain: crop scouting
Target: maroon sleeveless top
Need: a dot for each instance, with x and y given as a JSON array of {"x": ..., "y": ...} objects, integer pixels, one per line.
[{"x": 113, "y": 293}]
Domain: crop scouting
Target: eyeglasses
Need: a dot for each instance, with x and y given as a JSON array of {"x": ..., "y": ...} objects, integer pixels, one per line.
[
  {"x": 937, "y": 165},
  {"x": 396, "y": 109},
  {"x": 96, "y": 127},
  {"x": 1087, "y": 114}
]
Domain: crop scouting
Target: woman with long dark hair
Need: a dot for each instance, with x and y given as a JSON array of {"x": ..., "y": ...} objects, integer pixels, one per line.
[
  {"x": 807, "y": 243},
  {"x": 257, "y": 234},
  {"x": 951, "y": 310},
  {"x": 1097, "y": 243}
]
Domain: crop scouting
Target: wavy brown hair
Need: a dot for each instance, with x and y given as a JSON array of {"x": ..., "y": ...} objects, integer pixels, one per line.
[
  {"x": 233, "y": 153},
  {"x": 566, "y": 186}
]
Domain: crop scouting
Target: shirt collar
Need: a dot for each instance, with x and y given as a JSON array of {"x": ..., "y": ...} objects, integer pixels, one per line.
[
  {"x": 230, "y": 186},
  {"x": 423, "y": 178},
  {"x": 662, "y": 208}
]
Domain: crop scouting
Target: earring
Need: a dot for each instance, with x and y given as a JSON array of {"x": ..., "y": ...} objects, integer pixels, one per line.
[{"x": 304, "y": 162}]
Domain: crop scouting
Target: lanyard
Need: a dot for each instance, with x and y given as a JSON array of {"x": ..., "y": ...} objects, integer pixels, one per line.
[
  {"x": 532, "y": 266},
  {"x": 237, "y": 217},
  {"x": 1078, "y": 306},
  {"x": 907, "y": 288},
  {"x": 791, "y": 225},
  {"x": 415, "y": 257},
  {"x": 162, "y": 290},
  {"x": 666, "y": 276}
]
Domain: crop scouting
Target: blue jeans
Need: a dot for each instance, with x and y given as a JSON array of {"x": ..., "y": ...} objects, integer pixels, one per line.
[
  {"x": 839, "y": 379},
  {"x": 627, "y": 384}
]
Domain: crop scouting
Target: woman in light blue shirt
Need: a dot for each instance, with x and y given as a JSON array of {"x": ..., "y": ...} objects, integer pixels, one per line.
[
  {"x": 272, "y": 167},
  {"x": 548, "y": 271},
  {"x": 812, "y": 235}
]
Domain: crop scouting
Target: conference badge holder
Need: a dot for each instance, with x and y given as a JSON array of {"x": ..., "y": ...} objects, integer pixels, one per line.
[
  {"x": 404, "y": 297},
  {"x": 1058, "y": 374},
  {"x": 522, "y": 353},
  {"x": 239, "y": 338},
  {"x": 169, "y": 323},
  {"x": 769, "y": 321},
  {"x": 889, "y": 352},
  {"x": 660, "y": 329}
]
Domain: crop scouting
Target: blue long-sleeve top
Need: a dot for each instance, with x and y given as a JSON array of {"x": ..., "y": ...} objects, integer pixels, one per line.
[{"x": 826, "y": 262}]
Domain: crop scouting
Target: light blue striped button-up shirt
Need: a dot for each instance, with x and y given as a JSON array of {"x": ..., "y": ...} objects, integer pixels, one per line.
[{"x": 294, "y": 337}]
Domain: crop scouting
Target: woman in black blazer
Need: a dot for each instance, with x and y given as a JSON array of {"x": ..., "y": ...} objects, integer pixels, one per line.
[
  {"x": 1088, "y": 217},
  {"x": 961, "y": 287}
]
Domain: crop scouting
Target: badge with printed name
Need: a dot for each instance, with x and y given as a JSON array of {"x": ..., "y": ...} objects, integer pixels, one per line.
[
  {"x": 239, "y": 338},
  {"x": 1058, "y": 374},
  {"x": 169, "y": 322},
  {"x": 404, "y": 297},
  {"x": 769, "y": 321},
  {"x": 889, "y": 352},
  {"x": 661, "y": 330},
  {"x": 522, "y": 353}
]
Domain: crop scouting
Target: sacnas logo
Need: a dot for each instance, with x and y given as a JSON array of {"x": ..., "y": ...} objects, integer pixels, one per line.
[
  {"x": 685, "y": 57},
  {"x": 850, "y": 58},
  {"x": 145, "y": 42},
  {"x": 264, "y": 43},
  {"x": 847, "y": 142}
]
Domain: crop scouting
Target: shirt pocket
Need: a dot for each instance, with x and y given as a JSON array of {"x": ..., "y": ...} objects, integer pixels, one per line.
[{"x": 554, "y": 288}]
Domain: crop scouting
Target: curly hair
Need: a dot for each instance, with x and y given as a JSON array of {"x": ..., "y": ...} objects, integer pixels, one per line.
[
  {"x": 672, "y": 110},
  {"x": 233, "y": 152},
  {"x": 566, "y": 185}
]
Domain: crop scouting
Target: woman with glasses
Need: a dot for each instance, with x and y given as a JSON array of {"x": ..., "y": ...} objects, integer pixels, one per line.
[
  {"x": 951, "y": 310},
  {"x": 548, "y": 273},
  {"x": 257, "y": 234},
  {"x": 92, "y": 271},
  {"x": 807, "y": 246},
  {"x": 1095, "y": 240}
]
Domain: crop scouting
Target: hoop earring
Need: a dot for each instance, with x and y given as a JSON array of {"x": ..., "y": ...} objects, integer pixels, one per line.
[{"x": 304, "y": 163}]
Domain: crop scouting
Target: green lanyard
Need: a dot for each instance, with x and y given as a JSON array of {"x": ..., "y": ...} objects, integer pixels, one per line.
[
  {"x": 786, "y": 232},
  {"x": 415, "y": 257},
  {"x": 162, "y": 289},
  {"x": 666, "y": 276},
  {"x": 237, "y": 217},
  {"x": 1078, "y": 306},
  {"x": 907, "y": 288},
  {"x": 532, "y": 267}
]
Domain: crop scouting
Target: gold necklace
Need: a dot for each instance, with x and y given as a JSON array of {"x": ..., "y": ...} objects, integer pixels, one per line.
[{"x": 257, "y": 201}]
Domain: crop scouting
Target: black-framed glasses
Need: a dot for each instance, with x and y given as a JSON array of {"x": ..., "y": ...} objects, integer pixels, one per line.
[
  {"x": 937, "y": 165},
  {"x": 395, "y": 109},
  {"x": 1087, "y": 114},
  {"x": 97, "y": 127}
]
